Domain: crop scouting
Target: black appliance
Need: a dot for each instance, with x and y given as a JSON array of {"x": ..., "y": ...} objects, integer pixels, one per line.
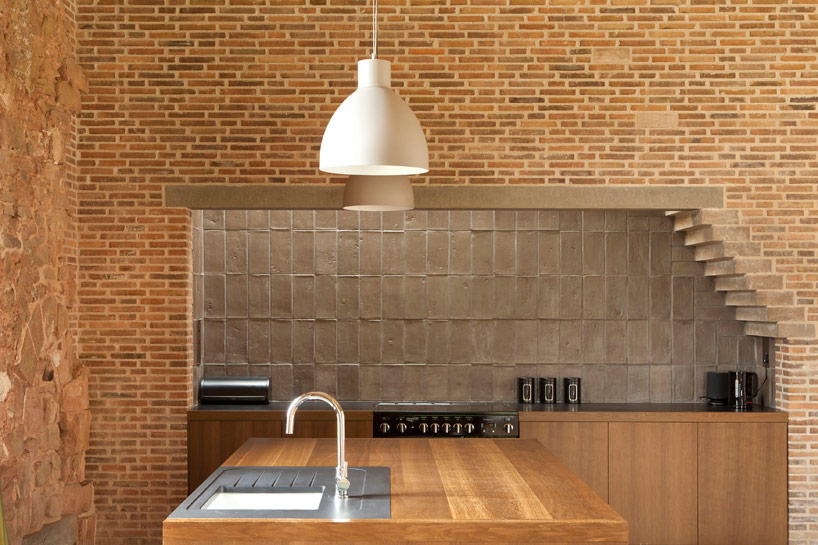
[
  {"x": 743, "y": 388},
  {"x": 525, "y": 389},
  {"x": 573, "y": 390},
  {"x": 548, "y": 390},
  {"x": 445, "y": 419},
  {"x": 234, "y": 390},
  {"x": 732, "y": 389},
  {"x": 717, "y": 392}
]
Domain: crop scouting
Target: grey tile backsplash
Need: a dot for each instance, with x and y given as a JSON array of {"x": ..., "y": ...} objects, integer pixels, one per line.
[{"x": 452, "y": 305}]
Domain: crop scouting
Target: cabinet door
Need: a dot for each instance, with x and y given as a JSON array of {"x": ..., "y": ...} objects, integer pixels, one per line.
[
  {"x": 653, "y": 480},
  {"x": 203, "y": 451},
  {"x": 582, "y": 446},
  {"x": 742, "y": 484},
  {"x": 321, "y": 429},
  {"x": 234, "y": 433},
  {"x": 211, "y": 442}
]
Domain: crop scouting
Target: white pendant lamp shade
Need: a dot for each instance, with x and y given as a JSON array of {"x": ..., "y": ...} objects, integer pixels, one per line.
[
  {"x": 373, "y": 132},
  {"x": 378, "y": 193}
]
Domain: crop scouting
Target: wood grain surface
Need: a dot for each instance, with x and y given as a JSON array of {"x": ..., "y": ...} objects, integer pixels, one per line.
[
  {"x": 742, "y": 484},
  {"x": 443, "y": 490},
  {"x": 653, "y": 480},
  {"x": 582, "y": 446},
  {"x": 211, "y": 441}
]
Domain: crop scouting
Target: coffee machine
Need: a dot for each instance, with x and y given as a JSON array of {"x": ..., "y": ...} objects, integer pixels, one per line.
[
  {"x": 743, "y": 387},
  {"x": 736, "y": 389}
]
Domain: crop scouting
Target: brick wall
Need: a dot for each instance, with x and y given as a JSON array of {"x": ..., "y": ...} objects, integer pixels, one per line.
[
  {"x": 453, "y": 305},
  {"x": 530, "y": 92},
  {"x": 797, "y": 385},
  {"x": 44, "y": 416}
]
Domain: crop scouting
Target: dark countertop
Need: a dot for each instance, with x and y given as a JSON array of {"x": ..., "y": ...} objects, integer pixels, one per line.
[
  {"x": 282, "y": 406},
  {"x": 536, "y": 411},
  {"x": 636, "y": 408}
]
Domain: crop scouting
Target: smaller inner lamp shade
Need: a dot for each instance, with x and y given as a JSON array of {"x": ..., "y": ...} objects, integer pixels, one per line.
[{"x": 378, "y": 193}]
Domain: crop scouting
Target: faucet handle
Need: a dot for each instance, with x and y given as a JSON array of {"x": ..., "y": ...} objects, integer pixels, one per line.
[
  {"x": 342, "y": 482},
  {"x": 342, "y": 473}
]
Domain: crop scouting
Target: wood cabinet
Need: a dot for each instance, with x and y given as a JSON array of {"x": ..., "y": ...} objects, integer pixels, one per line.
[
  {"x": 213, "y": 435},
  {"x": 687, "y": 477},
  {"x": 653, "y": 480},
  {"x": 582, "y": 446},
  {"x": 211, "y": 442},
  {"x": 742, "y": 484},
  {"x": 322, "y": 429}
]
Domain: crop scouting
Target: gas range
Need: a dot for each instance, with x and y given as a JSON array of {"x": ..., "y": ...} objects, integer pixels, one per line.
[{"x": 445, "y": 419}]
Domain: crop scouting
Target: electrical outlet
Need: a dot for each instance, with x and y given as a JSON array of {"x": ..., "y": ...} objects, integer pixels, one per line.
[{"x": 765, "y": 359}]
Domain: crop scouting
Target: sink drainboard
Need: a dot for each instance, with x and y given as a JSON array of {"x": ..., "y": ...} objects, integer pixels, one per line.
[{"x": 289, "y": 492}]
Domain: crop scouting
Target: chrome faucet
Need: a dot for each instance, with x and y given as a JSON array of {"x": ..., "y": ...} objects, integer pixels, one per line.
[{"x": 341, "y": 476}]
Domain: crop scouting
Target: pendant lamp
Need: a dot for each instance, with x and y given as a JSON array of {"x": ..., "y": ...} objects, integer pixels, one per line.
[
  {"x": 378, "y": 193},
  {"x": 373, "y": 132}
]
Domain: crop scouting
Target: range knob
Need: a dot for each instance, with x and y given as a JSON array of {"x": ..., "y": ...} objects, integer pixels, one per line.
[
  {"x": 447, "y": 428},
  {"x": 458, "y": 428},
  {"x": 423, "y": 427},
  {"x": 508, "y": 428},
  {"x": 384, "y": 427},
  {"x": 469, "y": 428},
  {"x": 401, "y": 427},
  {"x": 435, "y": 427}
]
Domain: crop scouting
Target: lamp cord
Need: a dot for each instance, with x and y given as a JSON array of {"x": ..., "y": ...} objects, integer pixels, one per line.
[{"x": 375, "y": 31}]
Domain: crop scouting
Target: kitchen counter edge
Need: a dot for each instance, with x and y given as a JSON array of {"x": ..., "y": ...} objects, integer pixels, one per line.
[{"x": 560, "y": 412}]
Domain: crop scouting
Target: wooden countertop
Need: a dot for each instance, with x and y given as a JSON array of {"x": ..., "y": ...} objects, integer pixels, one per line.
[{"x": 443, "y": 490}]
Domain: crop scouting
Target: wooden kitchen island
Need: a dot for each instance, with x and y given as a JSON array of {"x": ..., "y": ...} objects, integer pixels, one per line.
[{"x": 443, "y": 491}]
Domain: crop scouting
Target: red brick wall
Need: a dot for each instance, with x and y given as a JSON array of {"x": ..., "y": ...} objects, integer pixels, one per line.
[
  {"x": 797, "y": 385},
  {"x": 44, "y": 416},
  {"x": 528, "y": 92}
]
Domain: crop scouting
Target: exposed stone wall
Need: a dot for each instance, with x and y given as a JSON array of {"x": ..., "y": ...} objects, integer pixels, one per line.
[
  {"x": 44, "y": 416},
  {"x": 528, "y": 92}
]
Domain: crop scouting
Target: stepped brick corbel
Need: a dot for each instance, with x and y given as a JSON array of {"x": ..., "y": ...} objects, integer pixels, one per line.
[
  {"x": 769, "y": 309},
  {"x": 759, "y": 295}
]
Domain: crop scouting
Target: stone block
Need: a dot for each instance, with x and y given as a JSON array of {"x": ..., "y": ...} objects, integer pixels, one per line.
[
  {"x": 71, "y": 72},
  {"x": 571, "y": 252},
  {"x": 5, "y": 385},
  {"x": 549, "y": 252},
  {"x": 77, "y": 498},
  {"x": 656, "y": 120},
  {"x": 611, "y": 55},
  {"x": 393, "y": 253},
  {"x": 62, "y": 532},
  {"x": 69, "y": 97},
  {"x": 29, "y": 360},
  {"x": 593, "y": 253}
]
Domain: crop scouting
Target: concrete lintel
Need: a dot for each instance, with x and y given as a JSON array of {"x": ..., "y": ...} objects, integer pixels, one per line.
[{"x": 453, "y": 197}]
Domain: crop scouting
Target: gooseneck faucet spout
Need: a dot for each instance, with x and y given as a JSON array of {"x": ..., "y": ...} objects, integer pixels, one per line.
[{"x": 341, "y": 476}]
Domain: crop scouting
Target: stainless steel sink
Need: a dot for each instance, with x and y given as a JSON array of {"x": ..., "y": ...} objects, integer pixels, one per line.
[
  {"x": 298, "y": 499},
  {"x": 289, "y": 492}
]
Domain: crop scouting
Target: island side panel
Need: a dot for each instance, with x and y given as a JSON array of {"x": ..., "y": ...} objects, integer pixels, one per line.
[
  {"x": 562, "y": 493},
  {"x": 258, "y": 531}
]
